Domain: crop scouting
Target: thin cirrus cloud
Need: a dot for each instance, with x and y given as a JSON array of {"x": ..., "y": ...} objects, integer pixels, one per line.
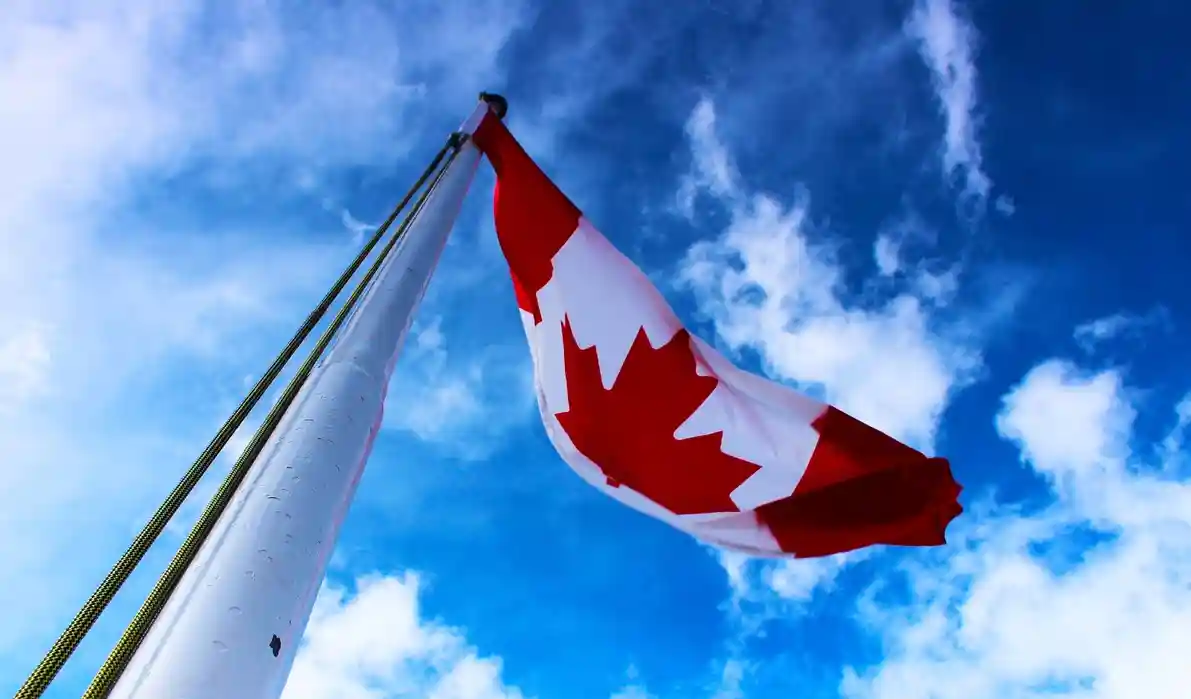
[
  {"x": 947, "y": 42},
  {"x": 1094, "y": 334}
]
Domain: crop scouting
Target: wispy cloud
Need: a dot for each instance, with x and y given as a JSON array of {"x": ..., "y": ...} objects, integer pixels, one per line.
[
  {"x": 770, "y": 287},
  {"x": 356, "y": 227},
  {"x": 462, "y": 405},
  {"x": 947, "y": 42},
  {"x": 590, "y": 59},
  {"x": 712, "y": 170},
  {"x": 1095, "y": 333}
]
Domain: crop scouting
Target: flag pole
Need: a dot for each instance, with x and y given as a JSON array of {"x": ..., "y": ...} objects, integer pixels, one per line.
[{"x": 233, "y": 626}]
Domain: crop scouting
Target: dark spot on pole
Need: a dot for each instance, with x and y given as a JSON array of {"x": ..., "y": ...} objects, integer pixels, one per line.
[{"x": 275, "y": 644}]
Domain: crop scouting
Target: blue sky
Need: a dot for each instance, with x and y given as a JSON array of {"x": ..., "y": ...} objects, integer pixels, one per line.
[{"x": 962, "y": 222}]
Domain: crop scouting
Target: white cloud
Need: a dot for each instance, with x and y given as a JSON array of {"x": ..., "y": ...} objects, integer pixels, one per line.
[
  {"x": 356, "y": 227},
  {"x": 731, "y": 680},
  {"x": 1086, "y": 598},
  {"x": 462, "y": 406},
  {"x": 1102, "y": 328},
  {"x": 798, "y": 581},
  {"x": 1095, "y": 333},
  {"x": 712, "y": 169},
  {"x": 375, "y": 643},
  {"x": 947, "y": 43},
  {"x": 886, "y": 254},
  {"x": 1066, "y": 422},
  {"x": 903, "y": 250},
  {"x": 771, "y": 284},
  {"x": 128, "y": 130},
  {"x": 763, "y": 589}
]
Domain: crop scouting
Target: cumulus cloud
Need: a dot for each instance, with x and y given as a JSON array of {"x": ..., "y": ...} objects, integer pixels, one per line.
[
  {"x": 1065, "y": 422},
  {"x": 374, "y": 642},
  {"x": 1086, "y": 597},
  {"x": 772, "y": 284},
  {"x": 947, "y": 42}
]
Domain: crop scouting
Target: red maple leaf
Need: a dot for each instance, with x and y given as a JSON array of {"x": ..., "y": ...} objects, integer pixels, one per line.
[{"x": 628, "y": 430}]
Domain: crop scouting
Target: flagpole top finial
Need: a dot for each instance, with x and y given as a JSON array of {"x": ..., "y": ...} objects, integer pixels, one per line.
[{"x": 498, "y": 104}]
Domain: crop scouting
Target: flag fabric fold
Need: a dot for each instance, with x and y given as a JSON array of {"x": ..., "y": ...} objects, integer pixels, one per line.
[{"x": 659, "y": 420}]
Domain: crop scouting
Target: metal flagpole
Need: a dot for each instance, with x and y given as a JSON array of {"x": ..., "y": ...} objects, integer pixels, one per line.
[{"x": 232, "y": 627}]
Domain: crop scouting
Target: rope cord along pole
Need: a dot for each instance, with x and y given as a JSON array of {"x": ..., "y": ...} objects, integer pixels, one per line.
[
  {"x": 46, "y": 670},
  {"x": 109, "y": 673}
]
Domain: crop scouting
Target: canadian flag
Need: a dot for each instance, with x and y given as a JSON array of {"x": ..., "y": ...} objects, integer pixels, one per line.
[{"x": 659, "y": 420}]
